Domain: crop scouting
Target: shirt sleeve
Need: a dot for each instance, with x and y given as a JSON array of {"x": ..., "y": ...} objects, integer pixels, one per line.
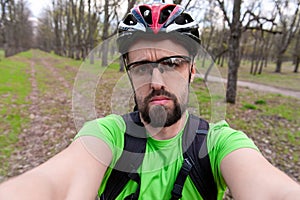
[
  {"x": 109, "y": 129},
  {"x": 222, "y": 140}
]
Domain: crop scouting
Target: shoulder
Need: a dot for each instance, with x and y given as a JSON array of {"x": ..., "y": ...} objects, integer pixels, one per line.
[
  {"x": 109, "y": 129},
  {"x": 224, "y": 138},
  {"x": 221, "y": 141},
  {"x": 110, "y": 123}
]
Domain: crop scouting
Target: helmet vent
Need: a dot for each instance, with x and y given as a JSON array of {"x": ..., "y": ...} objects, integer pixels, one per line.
[
  {"x": 165, "y": 13},
  {"x": 146, "y": 13},
  {"x": 130, "y": 20},
  {"x": 184, "y": 18}
]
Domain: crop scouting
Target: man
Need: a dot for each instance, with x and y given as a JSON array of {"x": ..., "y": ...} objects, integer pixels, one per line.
[{"x": 158, "y": 50}]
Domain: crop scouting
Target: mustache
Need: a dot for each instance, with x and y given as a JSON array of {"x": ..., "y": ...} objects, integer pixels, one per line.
[{"x": 161, "y": 92}]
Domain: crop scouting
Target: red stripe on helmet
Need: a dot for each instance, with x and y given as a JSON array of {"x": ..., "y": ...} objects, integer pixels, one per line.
[{"x": 156, "y": 12}]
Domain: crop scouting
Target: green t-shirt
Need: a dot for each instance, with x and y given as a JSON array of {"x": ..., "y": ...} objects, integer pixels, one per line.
[{"x": 163, "y": 158}]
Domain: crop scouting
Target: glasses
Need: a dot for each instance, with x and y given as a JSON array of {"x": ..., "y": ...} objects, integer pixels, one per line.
[{"x": 165, "y": 65}]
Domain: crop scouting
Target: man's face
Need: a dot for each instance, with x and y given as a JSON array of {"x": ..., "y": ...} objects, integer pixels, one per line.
[{"x": 160, "y": 76}]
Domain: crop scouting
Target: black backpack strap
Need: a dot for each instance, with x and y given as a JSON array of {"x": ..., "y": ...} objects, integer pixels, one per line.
[
  {"x": 181, "y": 177},
  {"x": 131, "y": 158},
  {"x": 196, "y": 161}
]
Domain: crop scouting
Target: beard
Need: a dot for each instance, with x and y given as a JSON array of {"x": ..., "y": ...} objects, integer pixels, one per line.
[{"x": 160, "y": 115}]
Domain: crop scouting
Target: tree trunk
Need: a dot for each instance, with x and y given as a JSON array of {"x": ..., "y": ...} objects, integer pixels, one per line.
[
  {"x": 56, "y": 29},
  {"x": 253, "y": 57},
  {"x": 278, "y": 63},
  {"x": 296, "y": 52},
  {"x": 3, "y": 25},
  {"x": 122, "y": 67},
  {"x": 222, "y": 60},
  {"x": 297, "y": 65},
  {"x": 234, "y": 53},
  {"x": 105, "y": 35},
  {"x": 259, "y": 61},
  {"x": 261, "y": 57},
  {"x": 69, "y": 33},
  {"x": 234, "y": 62}
]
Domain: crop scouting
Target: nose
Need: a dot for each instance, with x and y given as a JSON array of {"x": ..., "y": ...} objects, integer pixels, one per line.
[{"x": 157, "y": 80}]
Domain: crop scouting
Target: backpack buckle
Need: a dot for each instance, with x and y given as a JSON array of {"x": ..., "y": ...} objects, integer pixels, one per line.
[{"x": 187, "y": 165}]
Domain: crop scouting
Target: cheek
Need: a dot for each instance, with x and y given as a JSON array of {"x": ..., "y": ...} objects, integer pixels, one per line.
[
  {"x": 178, "y": 86},
  {"x": 141, "y": 91}
]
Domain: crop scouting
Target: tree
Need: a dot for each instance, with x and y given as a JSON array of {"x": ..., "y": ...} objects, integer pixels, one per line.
[
  {"x": 45, "y": 35},
  {"x": 296, "y": 52},
  {"x": 3, "y": 23},
  {"x": 105, "y": 33},
  {"x": 236, "y": 28},
  {"x": 233, "y": 48},
  {"x": 16, "y": 28},
  {"x": 57, "y": 31},
  {"x": 289, "y": 26}
]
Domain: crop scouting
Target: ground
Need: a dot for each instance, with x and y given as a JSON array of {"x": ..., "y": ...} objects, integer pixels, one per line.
[{"x": 51, "y": 127}]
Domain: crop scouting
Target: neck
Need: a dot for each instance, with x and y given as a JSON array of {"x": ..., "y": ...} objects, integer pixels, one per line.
[{"x": 165, "y": 133}]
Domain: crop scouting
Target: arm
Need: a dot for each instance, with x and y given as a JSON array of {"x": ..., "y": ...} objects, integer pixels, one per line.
[
  {"x": 250, "y": 176},
  {"x": 72, "y": 174}
]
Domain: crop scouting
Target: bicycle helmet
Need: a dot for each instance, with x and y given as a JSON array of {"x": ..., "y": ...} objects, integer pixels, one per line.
[{"x": 158, "y": 19}]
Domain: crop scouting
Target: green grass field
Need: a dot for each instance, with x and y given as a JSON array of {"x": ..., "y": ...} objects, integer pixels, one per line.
[{"x": 14, "y": 90}]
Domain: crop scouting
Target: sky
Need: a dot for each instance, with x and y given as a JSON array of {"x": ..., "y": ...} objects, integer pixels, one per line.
[{"x": 36, "y": 6}]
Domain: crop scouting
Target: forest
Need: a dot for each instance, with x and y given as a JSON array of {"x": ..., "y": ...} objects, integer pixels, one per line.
[{"x": 260, "y": 32}]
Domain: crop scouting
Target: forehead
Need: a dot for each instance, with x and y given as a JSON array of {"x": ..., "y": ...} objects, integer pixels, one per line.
[{"x": 155, "y": 49}]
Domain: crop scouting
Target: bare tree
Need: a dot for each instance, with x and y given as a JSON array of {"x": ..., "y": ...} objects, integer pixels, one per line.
[
  {"x": 105, "y": 33},
  {"x": 57, "y": 31},
  {"x": 130, "y": 4},
  {"x": 233, "y": 49},
  {"x": 45, "y": 35},
  {"x": 3, "y": 23},
  {"x": 15, "y": 26},
  {"x": 69, "y": 40},
  {"x": 236, "y": 27},
  {"x": 289, "y": 26}
]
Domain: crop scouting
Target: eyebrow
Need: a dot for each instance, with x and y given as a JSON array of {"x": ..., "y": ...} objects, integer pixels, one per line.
[{"x": 157, "y": 61}]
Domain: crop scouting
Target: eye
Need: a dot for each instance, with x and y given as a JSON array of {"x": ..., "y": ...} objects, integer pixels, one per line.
[
  {"x": 141, "y": 69},
  {"x": 171, "y": 62}
]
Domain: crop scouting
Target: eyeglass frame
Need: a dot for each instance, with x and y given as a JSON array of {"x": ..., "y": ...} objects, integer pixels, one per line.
[{"x": 156, "y": 64}]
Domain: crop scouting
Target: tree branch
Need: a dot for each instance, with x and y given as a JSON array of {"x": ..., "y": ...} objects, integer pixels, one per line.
[{"x": 221, "y": 3}]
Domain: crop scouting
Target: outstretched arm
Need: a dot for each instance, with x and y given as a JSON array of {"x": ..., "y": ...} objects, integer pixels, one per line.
[
  {"x": 250, "y": 176},
  {"x": 72, "y": 174}
]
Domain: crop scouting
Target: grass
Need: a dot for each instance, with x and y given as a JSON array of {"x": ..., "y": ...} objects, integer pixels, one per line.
[
  {"x": 1, "y": 54},
  {"x": 14, "y": 88},
  {"x": 265, "y": 118}
]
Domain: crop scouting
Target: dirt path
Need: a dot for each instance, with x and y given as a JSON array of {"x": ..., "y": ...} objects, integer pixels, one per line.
[
  {"x": 266, "y": 88},
  {"x": 30, "y": 142},
  {"x": 51, "y": 127},
  {"x": 258, "y": 87}
]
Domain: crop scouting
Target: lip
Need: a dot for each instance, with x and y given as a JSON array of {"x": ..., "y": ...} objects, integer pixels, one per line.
[{"x": 159, "y": 100}]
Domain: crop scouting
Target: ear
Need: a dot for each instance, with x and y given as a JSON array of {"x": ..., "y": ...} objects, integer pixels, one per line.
[{"x": 193, "y": 73}]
